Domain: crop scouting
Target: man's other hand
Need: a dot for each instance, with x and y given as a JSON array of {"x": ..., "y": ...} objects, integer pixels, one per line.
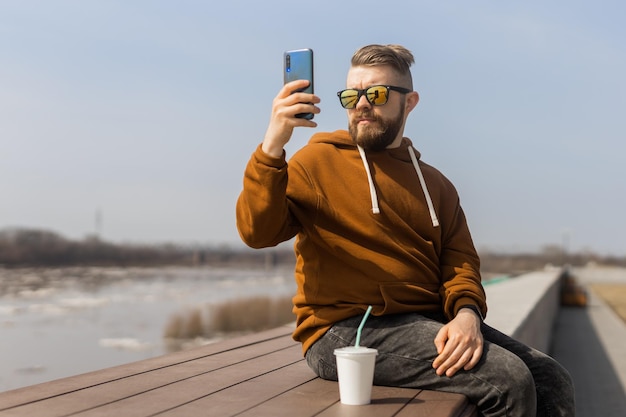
[{"x": 459, "y": 344}]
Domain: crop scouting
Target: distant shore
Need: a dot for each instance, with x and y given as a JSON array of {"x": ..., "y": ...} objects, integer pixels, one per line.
[{"x": 42, "y": 248}]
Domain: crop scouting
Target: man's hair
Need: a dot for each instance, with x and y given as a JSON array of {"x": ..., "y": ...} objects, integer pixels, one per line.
[{"x": 396, "y": 56}]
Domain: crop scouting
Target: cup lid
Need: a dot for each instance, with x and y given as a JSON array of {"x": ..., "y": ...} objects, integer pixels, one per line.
[{"x": 353, "y": 350}]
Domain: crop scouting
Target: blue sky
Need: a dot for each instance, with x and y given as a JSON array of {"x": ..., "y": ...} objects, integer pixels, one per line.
[{"x": 147, "y": 111}]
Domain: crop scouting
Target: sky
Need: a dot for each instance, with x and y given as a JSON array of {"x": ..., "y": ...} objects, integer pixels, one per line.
[{"x": 134, "y": 119}]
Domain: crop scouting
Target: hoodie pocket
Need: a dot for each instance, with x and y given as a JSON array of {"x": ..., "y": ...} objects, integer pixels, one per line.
[{"x": 404, "y": 297}]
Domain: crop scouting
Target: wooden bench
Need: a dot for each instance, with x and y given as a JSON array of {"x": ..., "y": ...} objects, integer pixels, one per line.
[{"x": 258, "y": 375}]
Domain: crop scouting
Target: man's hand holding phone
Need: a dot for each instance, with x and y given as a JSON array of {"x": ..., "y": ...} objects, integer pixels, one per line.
[{"x": 286, "y": 105}]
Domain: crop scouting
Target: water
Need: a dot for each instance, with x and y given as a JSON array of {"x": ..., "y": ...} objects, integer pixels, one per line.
[{"x": 66, "y": 321}]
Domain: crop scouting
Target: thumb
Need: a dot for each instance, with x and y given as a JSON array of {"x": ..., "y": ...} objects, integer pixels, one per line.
[{"x": 441, "y": 338}]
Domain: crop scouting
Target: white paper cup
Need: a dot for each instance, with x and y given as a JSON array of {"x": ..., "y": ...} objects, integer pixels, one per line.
[{"x": 355, "y": 369}]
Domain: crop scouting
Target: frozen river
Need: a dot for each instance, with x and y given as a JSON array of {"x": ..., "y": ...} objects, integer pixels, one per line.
[{"x": 57, "y": 322}]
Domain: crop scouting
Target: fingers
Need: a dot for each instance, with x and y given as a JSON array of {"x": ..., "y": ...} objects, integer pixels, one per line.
[
  {"x": 443, "y": 353},
  {"x": 293, "y": 87},
  {"x": 289, "y": 102},
  {"x": 475, "y": 359},
  {"x": 285, "y": 107},
  {"x": 456, "y": 352},
  {"x": 460, "y": 358},
  {"x": 440, "y": 340}
]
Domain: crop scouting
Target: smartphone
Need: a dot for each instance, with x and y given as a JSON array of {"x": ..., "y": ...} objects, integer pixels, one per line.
[{"x": 298, "y": 65}]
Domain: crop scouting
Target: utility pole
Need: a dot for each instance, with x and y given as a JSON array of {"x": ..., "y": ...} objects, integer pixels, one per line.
[{"x": 98, "y": 223}]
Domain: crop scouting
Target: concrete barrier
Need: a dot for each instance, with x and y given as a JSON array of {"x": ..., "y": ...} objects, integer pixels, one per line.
[{"x": 525, "y": 307}]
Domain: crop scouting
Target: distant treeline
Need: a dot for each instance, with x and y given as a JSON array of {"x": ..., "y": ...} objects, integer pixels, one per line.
[
  {"x": 518, "y": 263},
  {"x": 32, "y": 247}
]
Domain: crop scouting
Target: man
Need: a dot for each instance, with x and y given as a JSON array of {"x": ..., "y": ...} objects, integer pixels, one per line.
[{"x": 377, "y": 226}]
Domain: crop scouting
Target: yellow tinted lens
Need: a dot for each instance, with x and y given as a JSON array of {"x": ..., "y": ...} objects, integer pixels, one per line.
[
  {"x": 377, "y": 95},
  {"x": 349, "y": 98}
]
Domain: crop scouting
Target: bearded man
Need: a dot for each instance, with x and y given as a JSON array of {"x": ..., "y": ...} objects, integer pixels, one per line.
[{"x": 376, "y": 226}]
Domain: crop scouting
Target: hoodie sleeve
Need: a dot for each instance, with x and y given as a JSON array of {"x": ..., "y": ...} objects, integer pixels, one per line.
[
  {"x": 263, "y": 216},
  {"x": 460, "y": 267}
]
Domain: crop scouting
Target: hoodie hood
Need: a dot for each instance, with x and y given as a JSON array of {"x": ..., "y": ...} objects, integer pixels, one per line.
[{"x": 405, "y": 152}]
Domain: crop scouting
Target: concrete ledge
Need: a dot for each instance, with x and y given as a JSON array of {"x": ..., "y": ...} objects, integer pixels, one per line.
[{"x": 525, "y": 307}]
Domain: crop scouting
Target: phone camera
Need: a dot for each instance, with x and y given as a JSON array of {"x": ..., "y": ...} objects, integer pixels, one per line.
[{"x": 288, "y": 63}]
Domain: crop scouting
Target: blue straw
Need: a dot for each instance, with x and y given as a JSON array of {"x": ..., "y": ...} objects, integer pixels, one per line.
[{"x": 358, "y": 332}]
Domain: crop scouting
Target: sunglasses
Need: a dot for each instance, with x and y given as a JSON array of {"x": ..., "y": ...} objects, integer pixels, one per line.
[{"x": 376, "y": 95}]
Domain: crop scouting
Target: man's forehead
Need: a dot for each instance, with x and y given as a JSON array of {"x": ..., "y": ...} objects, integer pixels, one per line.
[{"x": 363, "y": 76}]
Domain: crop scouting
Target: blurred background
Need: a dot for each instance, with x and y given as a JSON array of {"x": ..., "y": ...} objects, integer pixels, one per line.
[{"x": 134, "y": 120}]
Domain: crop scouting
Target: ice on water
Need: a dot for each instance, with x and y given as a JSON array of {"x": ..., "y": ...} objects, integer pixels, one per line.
[{"x": 64, "y": 321}]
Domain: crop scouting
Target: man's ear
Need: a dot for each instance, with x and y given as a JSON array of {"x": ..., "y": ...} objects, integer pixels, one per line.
[{"x": 412, "y": 99}]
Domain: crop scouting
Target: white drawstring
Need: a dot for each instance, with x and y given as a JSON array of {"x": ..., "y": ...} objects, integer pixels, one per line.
[
  {"x": 429, "y": 202},
  {"x": 373, "y": 195}
]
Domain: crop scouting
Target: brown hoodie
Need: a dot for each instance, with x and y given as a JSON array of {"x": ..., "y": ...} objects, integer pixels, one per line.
[{"x": 365, "y": 233}]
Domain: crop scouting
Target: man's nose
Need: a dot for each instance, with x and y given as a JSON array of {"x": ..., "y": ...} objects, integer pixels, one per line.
[{"x": 363, "y": 102}]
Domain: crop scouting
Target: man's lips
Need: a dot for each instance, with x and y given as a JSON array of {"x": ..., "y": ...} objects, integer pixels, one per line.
[{"x": 365, "y": 119}]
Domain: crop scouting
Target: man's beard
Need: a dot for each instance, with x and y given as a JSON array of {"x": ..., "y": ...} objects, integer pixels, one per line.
[{"x": 378, "y": 135}]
